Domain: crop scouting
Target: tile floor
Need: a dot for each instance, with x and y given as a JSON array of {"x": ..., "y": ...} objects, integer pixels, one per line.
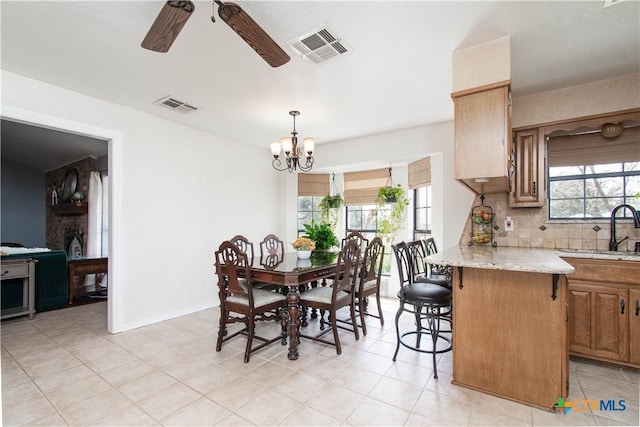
[{"x": 64, "y": 368}]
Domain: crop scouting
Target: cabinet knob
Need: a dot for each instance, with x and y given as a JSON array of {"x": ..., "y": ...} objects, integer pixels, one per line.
[{"x": 533, "y": 188}]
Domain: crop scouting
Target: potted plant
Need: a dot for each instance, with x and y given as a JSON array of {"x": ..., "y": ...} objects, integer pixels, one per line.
[
  {"x": 328, "y": 206},
  {"x": 304, "y": 246},
  {"x": 389, "y": 194},
  {"x": 393, "y": 220},
  {"x": 322, "y": 234}
]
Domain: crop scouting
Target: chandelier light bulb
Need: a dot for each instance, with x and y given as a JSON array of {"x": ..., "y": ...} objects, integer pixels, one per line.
[
  {"x": 287, "y": 144},
  {"x": 275, "y": 149},
  {"x": 308, "y": 146}
]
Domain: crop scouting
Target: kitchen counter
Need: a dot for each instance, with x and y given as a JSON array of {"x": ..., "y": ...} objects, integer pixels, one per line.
[
  {"x": 598, "y": 254},
  {"x": 503, "y": 258},
  {"x": 510, "y": 322}
]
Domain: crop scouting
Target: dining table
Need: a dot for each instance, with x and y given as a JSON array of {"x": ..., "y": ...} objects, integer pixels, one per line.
[{"x": 289, "y": 272}]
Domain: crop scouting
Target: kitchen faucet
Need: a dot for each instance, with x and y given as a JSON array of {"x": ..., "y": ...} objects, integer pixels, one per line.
[{"x": 613, "y": 244}]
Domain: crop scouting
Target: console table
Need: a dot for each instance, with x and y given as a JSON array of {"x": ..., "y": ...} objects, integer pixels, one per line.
[
  {"x": 81, "y": 267},
  {"x": 21, "y": 269}
]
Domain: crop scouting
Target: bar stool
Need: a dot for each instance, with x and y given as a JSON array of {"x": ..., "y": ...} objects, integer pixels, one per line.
[{"x": 426, "y": 302}]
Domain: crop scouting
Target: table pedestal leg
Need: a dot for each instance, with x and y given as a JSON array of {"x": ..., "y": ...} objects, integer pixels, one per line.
[{"x": 293, "y": 307}]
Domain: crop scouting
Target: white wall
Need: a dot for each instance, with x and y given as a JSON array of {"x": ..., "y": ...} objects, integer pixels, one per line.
[{"x": 175, "y": 197}]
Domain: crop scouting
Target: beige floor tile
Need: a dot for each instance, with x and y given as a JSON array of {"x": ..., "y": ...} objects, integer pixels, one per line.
[
  {"x": 51, "y": 420},
  {"x": 23, "y": 403},
  {"x": 410, "y": 373},
  {"x": 202, "y": 412},
  {"x": 62, "y": 378},
  {"x": 601, "y": 421},
  {"x": 373, "y": 362},
  {"x": 504, "y": 407},
  {"x": 396, "y": 393},
  {"x": 126, "y": 373},
  {"x": 96, "y": 408},
  {"x": 236, "y": 393},
  {"x": 77, "y": 391},
  {"x": 12, "y": 373},
  {"x": 443, "y": 386},
  {"x": 208, "y": 380},
  {"x": 593, "y": 384},
  {"x": 33, "y": 345},
  {"x": 269, "y": 374},
  {"x": 269, "y": 408},
  {"x": 307, "y": 416},
  {"x": 130, "y": 415},
  {"x": 416, "y": 420},
  {"x": 47, "y": 362},
  {"x": 615, "y": 412},
  {"x": 146, "y": 385},
  {"x": 165, "y": 402},
  {"x": 372, "y": 412},
  {"x": 299, "y": 386},
  {"x": 440, "y": 408},
  {"x": 356, "y": 379},
  {"x": 337, "y": 401},
  {"x": 572, "y": 418},
  {"x": 482, "y": 416},
  {"x": 234, "y": 420}
]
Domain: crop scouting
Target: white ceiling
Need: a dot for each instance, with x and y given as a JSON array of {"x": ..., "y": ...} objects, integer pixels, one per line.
[{"x": 398, "y": 74}]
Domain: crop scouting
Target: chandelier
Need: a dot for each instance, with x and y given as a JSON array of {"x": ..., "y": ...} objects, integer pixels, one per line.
[{"x": 294, "y": 155}]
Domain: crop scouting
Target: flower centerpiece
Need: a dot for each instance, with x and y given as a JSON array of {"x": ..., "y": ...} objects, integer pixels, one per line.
[{"x": 304, "y": 246}]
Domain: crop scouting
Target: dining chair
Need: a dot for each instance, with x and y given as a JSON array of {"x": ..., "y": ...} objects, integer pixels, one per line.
[
  {"x": 369, "y": 281},
  {"x": 336, "y": 296},
  {"x": 446, "y": 271},
  {"x": 358, "y": 237},
  {"x": 242, "y": 304},
  {"x": 421, "y": 268},
  {"x": 425, "y": 301}
]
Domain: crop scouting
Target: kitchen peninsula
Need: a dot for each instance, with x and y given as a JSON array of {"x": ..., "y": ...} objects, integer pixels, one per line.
[{"x": 510, "y": 322}]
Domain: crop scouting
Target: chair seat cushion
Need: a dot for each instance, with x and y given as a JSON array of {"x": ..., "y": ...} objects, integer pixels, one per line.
[
  {"x": 425, "y": 293},
  {"x": 370, "y": 285},
  {"x": 433, "y": 278},
  {"x": 321, "y": 294},
  {"x": 260, "y": 297}
]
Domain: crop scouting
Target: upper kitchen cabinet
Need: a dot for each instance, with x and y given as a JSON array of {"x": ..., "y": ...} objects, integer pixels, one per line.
[
  {"x": 528, "y": 184},
  {"x": 482, "y": 116},
  {"x": 482, "y": 132}
]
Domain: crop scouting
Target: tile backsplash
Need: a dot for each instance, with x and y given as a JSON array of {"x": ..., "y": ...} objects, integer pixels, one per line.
[{"x": 533, "y": 229}]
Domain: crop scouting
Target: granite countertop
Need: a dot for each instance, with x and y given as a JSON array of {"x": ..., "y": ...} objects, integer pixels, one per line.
[
  {"x": 503, "y": 258},
  {"x": 598, "y": 254}
]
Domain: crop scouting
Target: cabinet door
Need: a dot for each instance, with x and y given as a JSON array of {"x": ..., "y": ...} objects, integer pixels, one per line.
[
  {"x": 481, "y": 127},
  {"x": 579, "y": 319},
  {"x": 597, "y": 322},
  {"x": 609, "y": 323},
  {"x": 634, "y": 326},
  {"x": 528, "y": 183}
]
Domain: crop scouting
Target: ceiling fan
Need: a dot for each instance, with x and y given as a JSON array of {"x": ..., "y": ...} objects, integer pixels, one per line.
[{"x": 174, "y": 14}]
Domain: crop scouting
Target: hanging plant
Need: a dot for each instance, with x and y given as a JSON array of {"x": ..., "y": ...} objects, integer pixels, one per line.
[
  {"x": 389, "y": 194},
  {"x": 393, "y": 220},
  {"x": 328, "y": 209}
]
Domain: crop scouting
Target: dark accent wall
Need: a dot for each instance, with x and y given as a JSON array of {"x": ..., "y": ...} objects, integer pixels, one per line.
[{"x": 22, "y": 208}]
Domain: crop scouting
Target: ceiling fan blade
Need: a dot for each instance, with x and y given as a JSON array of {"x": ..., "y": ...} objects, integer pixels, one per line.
[
  {"x": 167, "y": 26},
  {"x": 252, "y": 33}
]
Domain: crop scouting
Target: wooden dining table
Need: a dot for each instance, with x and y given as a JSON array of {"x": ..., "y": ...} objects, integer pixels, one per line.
[{"x": 289, "y": 272}]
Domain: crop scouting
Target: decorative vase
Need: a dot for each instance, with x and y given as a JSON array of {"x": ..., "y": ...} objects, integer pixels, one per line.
[{"x": 304, "y": 254}]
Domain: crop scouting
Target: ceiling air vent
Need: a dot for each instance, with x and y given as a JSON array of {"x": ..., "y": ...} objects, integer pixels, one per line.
[
  {"x": 319, "y": 44},
  {"x": 175, "y": 104}
]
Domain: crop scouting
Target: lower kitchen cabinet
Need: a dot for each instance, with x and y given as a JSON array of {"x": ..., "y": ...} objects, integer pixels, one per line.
[{"x": 603, "y": 321}]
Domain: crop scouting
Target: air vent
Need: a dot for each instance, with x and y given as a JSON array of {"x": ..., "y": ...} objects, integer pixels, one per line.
[
  {"x": 175, "y": 104},
  {"x": 319, "y": 44}
]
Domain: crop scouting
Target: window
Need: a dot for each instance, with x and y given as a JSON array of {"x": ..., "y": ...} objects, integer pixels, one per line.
[
  {"x": 364, "y": 218},
  {"x": 589, "y": 175},
  {"x": 307, "y": 209},
  {"x": 592, "y": 191},
  {"x": 311, "y": 189},
  {"x": 422, "y": 212}
]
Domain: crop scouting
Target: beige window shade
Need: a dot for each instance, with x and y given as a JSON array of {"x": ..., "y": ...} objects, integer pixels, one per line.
[
  {"x": 361, "y": 188},
  {"x": 420, "y": 173},
  {"x": 313, "y": 184},
  {"x": 593, "y": 149}
]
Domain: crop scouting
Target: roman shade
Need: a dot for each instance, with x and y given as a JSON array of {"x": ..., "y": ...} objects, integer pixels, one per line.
[
  {"x": 420, "y": 173},
  {"x": 361, "y": 188},
  {"x": 313, "y": 184},
  {"x": 593, "y": 149}
]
